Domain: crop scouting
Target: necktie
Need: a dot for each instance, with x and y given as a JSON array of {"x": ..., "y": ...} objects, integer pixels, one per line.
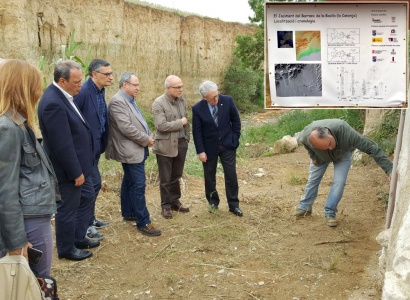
[{"x": 215, "y": 114}]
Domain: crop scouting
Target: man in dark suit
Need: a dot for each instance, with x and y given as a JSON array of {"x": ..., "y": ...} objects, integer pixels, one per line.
[
  {"x": 91, "y": 102},
  {"x": 216, "y": 129},
  {"x": 68, "y": 142}
]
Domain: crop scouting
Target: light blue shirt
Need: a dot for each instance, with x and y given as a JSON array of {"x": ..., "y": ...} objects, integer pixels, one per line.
[
  {"x": 132, "y": 101},
  {"x": 211, "y": 108}
]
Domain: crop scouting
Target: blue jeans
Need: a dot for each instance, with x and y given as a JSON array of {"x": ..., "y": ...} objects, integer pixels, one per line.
[
  {"x": 133, "y": 203},
  {"x": 341, "y": 169}
]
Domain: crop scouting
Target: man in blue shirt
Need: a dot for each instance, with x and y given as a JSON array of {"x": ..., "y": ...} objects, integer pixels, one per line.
[
  {"x": 91, "y": 102},
  {"x": 128, "y": 144}
]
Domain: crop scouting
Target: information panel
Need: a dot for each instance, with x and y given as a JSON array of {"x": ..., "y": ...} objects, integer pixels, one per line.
[{"x": 344, "y": 54}]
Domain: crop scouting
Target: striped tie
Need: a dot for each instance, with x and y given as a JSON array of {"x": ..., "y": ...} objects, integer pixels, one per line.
[{"x": 215, "y": 114}]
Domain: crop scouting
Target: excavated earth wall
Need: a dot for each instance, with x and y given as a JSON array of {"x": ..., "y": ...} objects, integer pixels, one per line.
[{"x": 149, "y": 41}]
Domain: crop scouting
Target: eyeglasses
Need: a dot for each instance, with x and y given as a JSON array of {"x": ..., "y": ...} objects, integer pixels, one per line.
[
  {"x": 106, "y": 74},
  {"x": 177, "y": 87},
  {"x": 134, "y": 84}
]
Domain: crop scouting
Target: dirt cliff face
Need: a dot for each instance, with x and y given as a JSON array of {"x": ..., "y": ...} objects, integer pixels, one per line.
[{"x": 150, "y": 42}]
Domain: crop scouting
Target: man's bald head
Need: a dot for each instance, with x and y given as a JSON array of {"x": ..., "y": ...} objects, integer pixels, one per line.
[{"x": 322, "y": 139}]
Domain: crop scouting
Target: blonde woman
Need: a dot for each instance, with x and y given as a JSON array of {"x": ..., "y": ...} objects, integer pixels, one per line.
[{"x": 27, "y": 180}]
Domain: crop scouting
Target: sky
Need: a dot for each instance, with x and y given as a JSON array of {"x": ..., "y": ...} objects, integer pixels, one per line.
[{"x": 225, "y": 10}]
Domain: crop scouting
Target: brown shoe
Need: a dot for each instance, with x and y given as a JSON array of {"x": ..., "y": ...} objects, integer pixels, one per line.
[
  {"x": 149, "y": 230},
  {"x": 166, "y": 213},
  {"x": 180, "y": 208}
]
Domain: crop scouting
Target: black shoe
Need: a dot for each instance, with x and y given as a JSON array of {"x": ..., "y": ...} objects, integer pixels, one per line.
[
  {"x": 129, "y": 218},
  {"x": 87, "y": 244},
  {"x": 100, "y": 224},
  {"x": 77, "y": 254},
  {"x": 236, "y": 211}
]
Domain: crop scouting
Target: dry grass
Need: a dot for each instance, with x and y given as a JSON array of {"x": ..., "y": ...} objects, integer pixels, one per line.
[{"x": 267, "y": 254}]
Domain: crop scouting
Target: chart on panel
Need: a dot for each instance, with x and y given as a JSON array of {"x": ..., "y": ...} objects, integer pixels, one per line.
[
  {"x": 351, "y": 87},
  {"x": 344, "y": 54},
  {"x": 343, "y": 36}
]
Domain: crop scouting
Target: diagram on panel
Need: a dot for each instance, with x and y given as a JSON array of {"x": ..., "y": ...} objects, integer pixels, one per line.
[
  {"x": 351, "y": 87},
  {"x": 343, "y": 36},
  {"x": 343, "y": 55}
]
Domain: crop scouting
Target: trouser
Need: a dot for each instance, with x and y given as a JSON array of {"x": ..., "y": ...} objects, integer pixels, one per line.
[
  {"x": 96, "y": 185},
  {"x": 228, "y": 161},
  {"x": 73, "y": 216},
  {"x": 170, "y": 171},
  {"x": 133, "y": 202},
  {"x": 39, "y": 234},
  {"x": 341, "y": 169}
]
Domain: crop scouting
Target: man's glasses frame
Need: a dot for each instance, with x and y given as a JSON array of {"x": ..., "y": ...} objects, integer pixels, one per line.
[
  {"x": 106, "y": 74},
  {"x": 134, "y": 84}
]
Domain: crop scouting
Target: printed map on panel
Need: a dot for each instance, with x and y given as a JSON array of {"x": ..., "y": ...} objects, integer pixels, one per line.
[{"x": 343, "y": 36}]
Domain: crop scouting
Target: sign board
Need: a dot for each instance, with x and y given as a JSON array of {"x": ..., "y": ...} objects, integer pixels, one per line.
[{"x": 340, "y": 54}]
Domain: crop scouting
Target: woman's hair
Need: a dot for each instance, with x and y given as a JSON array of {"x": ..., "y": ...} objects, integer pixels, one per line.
[{"x": 20, "y": 88}]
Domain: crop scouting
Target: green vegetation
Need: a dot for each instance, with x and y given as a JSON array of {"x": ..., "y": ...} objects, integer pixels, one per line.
[
  {"x": 245, "y": 85},
  {"x": 68, "y": 52},
  {"x": 296, "y": 180},
  {"x": 385, "y": 135},
  {"x": 244, "y": 76},
  {"x": 246, "y": 68},
  {"x": 294, "y": 121}
]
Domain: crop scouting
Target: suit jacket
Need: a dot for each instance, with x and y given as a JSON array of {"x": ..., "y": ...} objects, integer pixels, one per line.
[
  {"x": 168, "y": 124},
  {"x": 207, "y": 134},
  {"x": 86, "y": 101},
  {"x": 127, "y": 136},
  {"x": 67, "y": 138}
]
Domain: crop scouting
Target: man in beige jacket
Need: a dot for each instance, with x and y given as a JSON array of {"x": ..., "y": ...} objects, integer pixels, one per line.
[
  {"x": 171, "y": 143},
  {"x": 128, "y": 142}
]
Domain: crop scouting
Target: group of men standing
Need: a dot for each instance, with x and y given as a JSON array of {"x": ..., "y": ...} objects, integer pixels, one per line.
[{"x": 77, "y": 127}]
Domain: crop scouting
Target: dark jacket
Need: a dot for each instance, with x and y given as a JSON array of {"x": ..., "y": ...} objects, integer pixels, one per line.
[
  {"x": 207, "y": 134},
  {"x": 28, "y": 185},
  {"x": 67, "y": 138},
  {"x": 86, "y": 101},
  {"x": 347, "y": 139}
]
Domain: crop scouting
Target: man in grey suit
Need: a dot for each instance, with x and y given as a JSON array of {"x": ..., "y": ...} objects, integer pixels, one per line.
[
  {"x": 128, "y": 142},
  {"x": 171, "y": 143}
]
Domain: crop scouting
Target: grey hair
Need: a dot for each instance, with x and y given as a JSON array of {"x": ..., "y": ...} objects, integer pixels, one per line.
[
  {"x": 125, "y": 77},
  {"x": 63, "y": 69},
  {"x": 167, "y": 83},
  {"x": 322, "y": 132},
  {"x": 207, "y": 86},
  {"x": 96, "y": 65}
]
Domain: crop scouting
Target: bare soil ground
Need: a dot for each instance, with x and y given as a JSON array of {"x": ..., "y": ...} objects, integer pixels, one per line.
[{"x": 266, "y": 254}]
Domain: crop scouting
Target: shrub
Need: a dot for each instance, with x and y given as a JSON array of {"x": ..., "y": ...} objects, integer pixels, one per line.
[{"x": 244, "y": 85}]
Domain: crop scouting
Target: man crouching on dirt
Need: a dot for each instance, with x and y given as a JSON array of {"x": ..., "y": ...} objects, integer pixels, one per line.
[{"x": 333, "y": 140}]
